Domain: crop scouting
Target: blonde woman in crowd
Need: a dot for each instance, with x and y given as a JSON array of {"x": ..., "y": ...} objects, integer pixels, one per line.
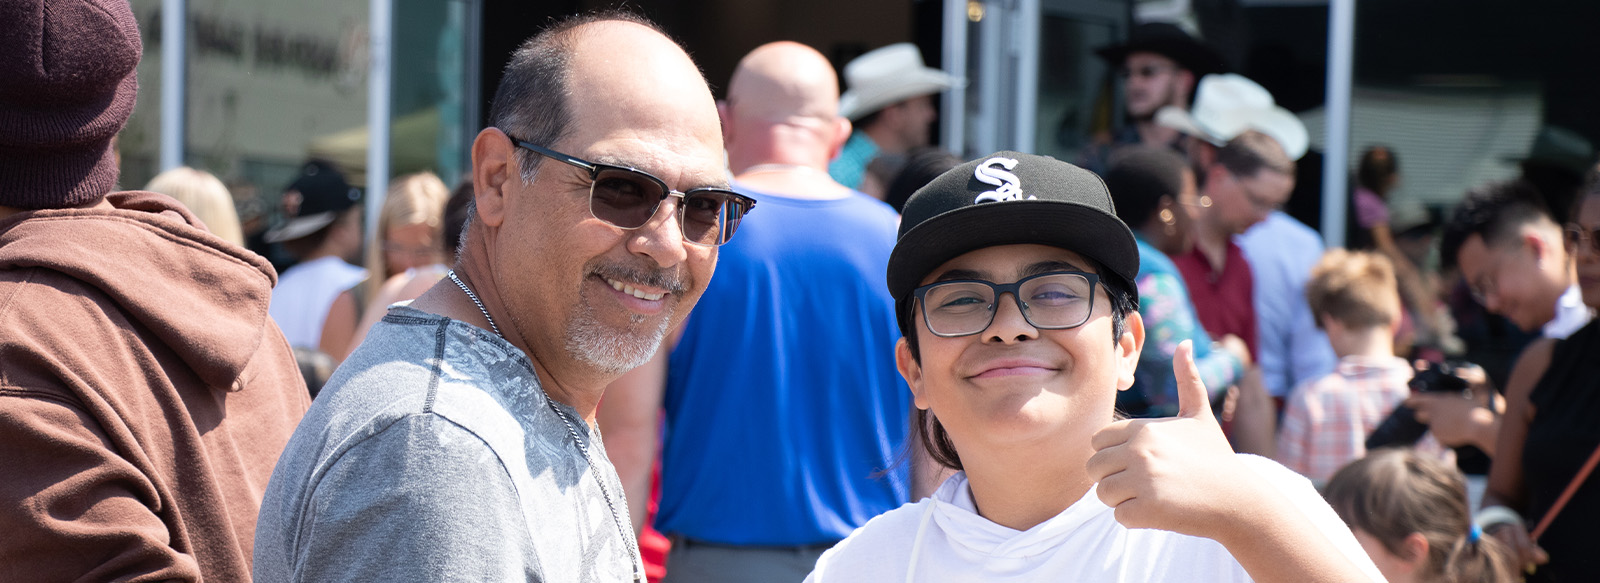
[
  {"x": 410, "y": 284},
  {"x": 411, "y": 224},
  {"x": 205, "y": 196},
  {"x": 1409, "y": 512}
]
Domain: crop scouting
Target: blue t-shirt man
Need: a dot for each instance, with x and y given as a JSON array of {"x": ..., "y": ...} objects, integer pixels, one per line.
[{"x": 785, "y": 414}]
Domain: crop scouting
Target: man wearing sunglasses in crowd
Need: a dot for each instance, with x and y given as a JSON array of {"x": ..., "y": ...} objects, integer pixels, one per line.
[
  {"x": 458, "y": 442},
  {"x": 1018, "y": 333},
  {"x": 783, "y": 406}
]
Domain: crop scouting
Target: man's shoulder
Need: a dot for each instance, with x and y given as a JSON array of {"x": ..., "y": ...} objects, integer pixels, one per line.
[
  {"x": 1280, "y": 236},
  {"x": 417, "y": 362},
  {"x": 417, "y": 366}
]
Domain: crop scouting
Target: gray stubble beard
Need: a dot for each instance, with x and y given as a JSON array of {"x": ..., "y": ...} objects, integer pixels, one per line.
[{"x": 611, "y": 351}]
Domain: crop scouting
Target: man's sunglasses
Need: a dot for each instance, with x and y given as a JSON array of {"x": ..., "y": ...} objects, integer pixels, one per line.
[{"x": 627, "y": 198}]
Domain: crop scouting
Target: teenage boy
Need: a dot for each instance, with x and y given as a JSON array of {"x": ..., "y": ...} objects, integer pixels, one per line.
[
  {"x": 1013, "y": 282},
  {"x": 1355, "y": 297}
]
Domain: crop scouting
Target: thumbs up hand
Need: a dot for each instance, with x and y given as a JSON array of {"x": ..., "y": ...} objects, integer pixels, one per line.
[{"x": 1176, "y": 473}]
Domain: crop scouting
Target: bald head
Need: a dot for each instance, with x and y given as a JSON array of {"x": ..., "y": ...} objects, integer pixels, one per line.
[
  {"x": 608, "y": 68},
  {"x": 784, "y": 79},
  {"x": 783, "y": 108}
]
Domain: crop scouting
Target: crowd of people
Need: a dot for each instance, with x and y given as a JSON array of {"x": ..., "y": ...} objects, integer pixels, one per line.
[{"x": 782, "y": 337}]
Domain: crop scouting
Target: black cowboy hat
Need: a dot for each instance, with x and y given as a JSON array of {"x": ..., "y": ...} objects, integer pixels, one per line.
[{"x": 1171, "y": 42}]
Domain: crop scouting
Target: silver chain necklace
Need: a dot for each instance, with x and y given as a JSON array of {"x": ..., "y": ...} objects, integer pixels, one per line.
[
  {"x": 474, "y": 298},
  {"x": 631, "y": 542}
]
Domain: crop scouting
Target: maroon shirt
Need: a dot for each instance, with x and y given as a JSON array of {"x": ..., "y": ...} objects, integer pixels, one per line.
[{"x": 1224, "y": 300}]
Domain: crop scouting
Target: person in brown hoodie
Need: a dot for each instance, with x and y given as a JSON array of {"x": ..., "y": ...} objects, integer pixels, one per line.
[{"x": 144, "y": 393}]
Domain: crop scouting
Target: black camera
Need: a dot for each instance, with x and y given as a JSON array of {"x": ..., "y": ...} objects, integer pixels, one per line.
[{"x": 1402, "y": 427}]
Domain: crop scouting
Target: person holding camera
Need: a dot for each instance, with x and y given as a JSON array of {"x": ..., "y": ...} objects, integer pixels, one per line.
[
  {"x": 1354, "y": 297},
  {"x": 1549, "y": 443}
]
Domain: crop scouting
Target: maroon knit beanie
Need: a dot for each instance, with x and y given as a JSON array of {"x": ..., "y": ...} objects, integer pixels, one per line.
[{"x": 67, "y": 86}]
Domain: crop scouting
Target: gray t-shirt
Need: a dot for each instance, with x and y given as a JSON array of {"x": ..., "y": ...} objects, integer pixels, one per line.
[{"x": 434, "y": 455}]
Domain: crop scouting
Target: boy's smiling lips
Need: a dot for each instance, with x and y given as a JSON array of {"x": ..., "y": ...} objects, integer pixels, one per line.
[{"x": 1006, "y": 367}]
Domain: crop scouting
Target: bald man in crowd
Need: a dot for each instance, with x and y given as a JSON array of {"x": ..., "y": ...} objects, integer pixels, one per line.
[
  {"x": 457, "y": 442},
  {"x": 784, "y": 411}
]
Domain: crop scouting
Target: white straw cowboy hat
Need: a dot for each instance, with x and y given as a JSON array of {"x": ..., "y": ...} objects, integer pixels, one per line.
[
  {"x": 1227, "y": 105},
  {"x": 888, "y": 75}
]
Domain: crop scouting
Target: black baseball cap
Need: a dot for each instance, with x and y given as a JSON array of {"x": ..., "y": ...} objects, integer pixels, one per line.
[
  {"x": 1009, "y": 198},
  {"x": 323, "y": 194}
]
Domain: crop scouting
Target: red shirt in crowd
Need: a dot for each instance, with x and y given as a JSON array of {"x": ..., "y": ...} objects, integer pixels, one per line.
[{"x": 1224, "y": 300}]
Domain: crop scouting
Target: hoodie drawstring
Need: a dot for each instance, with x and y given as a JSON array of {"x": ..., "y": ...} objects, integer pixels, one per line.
[{"x": 916, "y": 542}]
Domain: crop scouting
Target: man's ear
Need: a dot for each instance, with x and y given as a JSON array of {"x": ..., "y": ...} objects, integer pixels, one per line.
[
  {"x": 725, "y": 116},
  {"x": 1128, "y": 348},
  {"x": 1545, "y": 251},
  {"x": 1330, "y": 325},
  {"x": 912, "y": 371},
  {"x": 1186, "y": 82},
  {"x": 1214, "y": 172},
  {"x": 494, "y": 164},
  {"x": 841, "y": 134}
]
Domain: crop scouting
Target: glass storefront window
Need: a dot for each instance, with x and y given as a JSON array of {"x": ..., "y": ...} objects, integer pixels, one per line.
[{"x": 139, "y": 143}]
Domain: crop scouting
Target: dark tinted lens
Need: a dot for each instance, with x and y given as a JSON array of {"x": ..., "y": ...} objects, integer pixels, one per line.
[
  {"x": 624, "y": 198},
  {"x": 704, "y": 213}
]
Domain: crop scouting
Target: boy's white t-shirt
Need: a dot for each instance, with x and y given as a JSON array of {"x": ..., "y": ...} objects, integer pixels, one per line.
[{"x": 945, "y": 539}]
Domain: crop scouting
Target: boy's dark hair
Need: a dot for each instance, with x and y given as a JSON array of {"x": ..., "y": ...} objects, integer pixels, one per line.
[
  {"x": 1495, "y": 212},
  {"x": 926, "y": 428}
]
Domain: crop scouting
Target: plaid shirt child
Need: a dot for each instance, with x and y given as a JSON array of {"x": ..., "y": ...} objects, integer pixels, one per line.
[{"x": 1326, "y": 421}]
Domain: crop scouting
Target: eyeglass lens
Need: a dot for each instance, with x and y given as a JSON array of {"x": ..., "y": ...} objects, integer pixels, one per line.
[
  {"x": 628, "y": 199},
  {"x": 1048, "y": 301},
  {"x": 1577, "y": 235}
]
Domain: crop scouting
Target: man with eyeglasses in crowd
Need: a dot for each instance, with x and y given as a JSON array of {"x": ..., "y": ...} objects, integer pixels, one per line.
[
  {"x": 784, "y": 411},
  {"x": 1160, "y": 65},
  {"x": 1240, "y": 152},
  {"x": 458, "y": 441},
  {"x": 1514, "y": 261}
]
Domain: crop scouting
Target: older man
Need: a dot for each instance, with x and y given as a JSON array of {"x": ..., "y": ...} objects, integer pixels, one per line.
[
  {"x": 1243, "y": 152},
  {"x": 783, "y": 405},
  {"x": 457, "y": 442}
]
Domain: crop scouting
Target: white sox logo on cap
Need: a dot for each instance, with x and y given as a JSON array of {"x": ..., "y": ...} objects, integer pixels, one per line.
[{"x": 994, "y": 171}]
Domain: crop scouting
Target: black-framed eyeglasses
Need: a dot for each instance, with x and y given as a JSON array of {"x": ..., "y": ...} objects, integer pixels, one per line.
[
  {"x": 627, "y": 198},
  {"x": 1053, "y": 300}
]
